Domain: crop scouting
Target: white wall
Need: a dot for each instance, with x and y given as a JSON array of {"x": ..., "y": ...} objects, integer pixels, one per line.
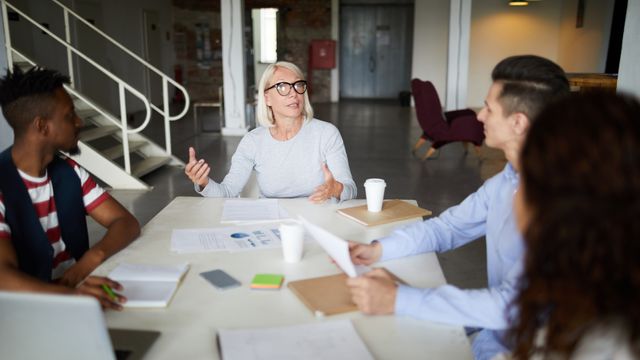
[
  {"x": 128, "y": 29},
  {"x": 6, "y": 133},
  {"x": 629, "y": 72},
  {"x": 335, "y": 35},
  {"x": 233, "y": 68},
  {"x": 258, "y": 67},
  {"x": 430, "y": 43},
  {"x": 20, "y": 33},
  {"x": 31, "y": 41},
  {"x": 49, "y": 52},
  {"x": 585, "y": 49},
  {"x": 124, "y": 22},
  {"x": 458, "y": 52},
  {"x": 499, "y": 30}
]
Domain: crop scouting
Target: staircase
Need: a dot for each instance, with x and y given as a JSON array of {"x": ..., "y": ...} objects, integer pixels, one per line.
[{"x": 111, "y": 150}]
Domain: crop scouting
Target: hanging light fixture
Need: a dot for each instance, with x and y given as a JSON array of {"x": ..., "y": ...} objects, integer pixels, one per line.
[{"x": 518, "y": 3}]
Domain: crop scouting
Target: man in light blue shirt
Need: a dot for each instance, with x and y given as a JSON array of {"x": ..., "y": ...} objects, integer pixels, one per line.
[{"x": 521, "y": 86}]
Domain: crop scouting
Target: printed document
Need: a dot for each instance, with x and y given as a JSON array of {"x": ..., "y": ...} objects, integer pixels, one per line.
[
  {"x": 240, "y": 211},
  {"x": 225, "y": 239},
  {"x": 327, "y": 340}
]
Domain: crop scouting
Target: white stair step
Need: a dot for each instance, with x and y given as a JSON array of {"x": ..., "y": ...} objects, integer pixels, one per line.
[
  {"x": 79, "y": 103},
  {"x": 23, "y": 65},
  {"x": 87, "y": 113},
  {"x": 117, "y": 151},
  {"x": 18, "y": 57},
  {"x": 96, "y": 133},
  {"x": 80, "y": 106},
  {"x": 148, "y": 165}
]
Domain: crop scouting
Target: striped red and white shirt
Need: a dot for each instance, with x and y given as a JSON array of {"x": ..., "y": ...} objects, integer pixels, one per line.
[{"x": 41, "y": 193}]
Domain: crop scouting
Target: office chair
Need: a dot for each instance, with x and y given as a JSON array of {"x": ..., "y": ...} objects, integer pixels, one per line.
[{"x": 442, "y": 128}]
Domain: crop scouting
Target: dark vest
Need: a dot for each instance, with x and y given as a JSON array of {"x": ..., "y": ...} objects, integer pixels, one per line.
[{"x": 34, "y": 253}]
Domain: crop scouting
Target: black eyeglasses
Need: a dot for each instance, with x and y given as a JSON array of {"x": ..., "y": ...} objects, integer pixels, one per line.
[{"x": 284, "y": 88}]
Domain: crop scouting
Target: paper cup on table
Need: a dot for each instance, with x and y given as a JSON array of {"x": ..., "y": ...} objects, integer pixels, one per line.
[
  {"x": 292, "y": 238},
  {"x": 374, "y": 189}
]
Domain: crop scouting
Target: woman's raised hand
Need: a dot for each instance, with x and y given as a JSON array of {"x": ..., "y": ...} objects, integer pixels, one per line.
[{"x": 197, "y": 170}]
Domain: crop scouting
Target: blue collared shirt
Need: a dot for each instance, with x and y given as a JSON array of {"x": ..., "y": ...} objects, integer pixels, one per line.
[{"x": 487, "y": 212}]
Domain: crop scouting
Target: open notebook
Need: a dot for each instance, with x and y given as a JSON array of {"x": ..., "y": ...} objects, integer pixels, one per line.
[{"x": 148, "y": 285}]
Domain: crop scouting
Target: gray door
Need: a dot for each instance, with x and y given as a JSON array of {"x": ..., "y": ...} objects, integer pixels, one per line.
[{"x": 375, "y": 50}]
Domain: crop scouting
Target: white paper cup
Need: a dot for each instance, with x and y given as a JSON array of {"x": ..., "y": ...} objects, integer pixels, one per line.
[
  {"x": 292, "y": 238},
  {"x": 374, "y": 189}
]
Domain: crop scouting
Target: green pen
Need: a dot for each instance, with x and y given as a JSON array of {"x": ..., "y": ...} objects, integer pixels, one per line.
[{"x": 109, "y": 292}]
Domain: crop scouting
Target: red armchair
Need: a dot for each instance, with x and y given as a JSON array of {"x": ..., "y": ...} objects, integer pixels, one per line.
[{"x": 442, "y": 128}]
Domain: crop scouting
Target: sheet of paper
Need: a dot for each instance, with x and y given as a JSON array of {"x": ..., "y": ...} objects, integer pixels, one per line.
[
  {"x": 224, "y": 239},
  {"x": 336, "y": 247},
  {"x": 325, "y": 340},
  {"x": 240, "y": 211}
]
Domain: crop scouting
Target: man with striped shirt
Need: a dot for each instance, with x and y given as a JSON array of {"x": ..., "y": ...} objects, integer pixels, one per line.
[{"x": 45, "y": 197}]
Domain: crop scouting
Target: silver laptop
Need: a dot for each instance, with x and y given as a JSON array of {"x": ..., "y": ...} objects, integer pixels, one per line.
[{"x": 38, "y": 326}]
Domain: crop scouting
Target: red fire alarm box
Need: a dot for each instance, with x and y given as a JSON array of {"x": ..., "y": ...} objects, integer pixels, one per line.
[{"x": 322, "y": 54}]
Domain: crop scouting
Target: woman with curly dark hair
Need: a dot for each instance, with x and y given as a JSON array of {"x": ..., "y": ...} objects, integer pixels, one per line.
[{"x": 578, "y": 207}]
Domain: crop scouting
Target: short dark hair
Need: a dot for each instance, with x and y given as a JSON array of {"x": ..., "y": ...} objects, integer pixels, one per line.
[
  {"x": 580, "y": 171},
  {"x": 529, "y": 82},
  {"x": 26, "y": 95}
]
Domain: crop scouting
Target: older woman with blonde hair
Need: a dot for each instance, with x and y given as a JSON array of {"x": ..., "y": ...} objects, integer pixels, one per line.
[{"x": 292, "y": 153}]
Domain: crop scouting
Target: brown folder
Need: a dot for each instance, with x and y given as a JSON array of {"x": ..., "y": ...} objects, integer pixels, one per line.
[
  {"x": 327, "y": 295},
  {"x": 392, "y": 210}
]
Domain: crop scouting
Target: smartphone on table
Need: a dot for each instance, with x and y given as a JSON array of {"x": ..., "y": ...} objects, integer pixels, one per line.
[{"x": 220, "y": 279}]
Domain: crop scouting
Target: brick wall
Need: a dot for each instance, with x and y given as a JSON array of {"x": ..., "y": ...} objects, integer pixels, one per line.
[
  {"x": 201, "y": 77},
  {"x": 299, "y": 22}
]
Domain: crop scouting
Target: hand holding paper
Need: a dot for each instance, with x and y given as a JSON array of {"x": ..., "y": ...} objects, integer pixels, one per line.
[
  {"x": 336, "y": 247},
  {"x": 365, "y": 254}
]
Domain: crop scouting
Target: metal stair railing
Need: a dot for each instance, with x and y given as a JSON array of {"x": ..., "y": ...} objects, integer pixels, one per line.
[
  {"x": 122, "y": 85},
  {"x": 165, "y": 79}
]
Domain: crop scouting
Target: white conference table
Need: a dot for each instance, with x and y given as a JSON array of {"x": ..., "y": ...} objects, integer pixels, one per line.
[{"x": 189, "y": 324}]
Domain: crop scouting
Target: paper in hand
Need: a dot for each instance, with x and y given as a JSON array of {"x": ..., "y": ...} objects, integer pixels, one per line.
[{"x": 336, "y": 247}]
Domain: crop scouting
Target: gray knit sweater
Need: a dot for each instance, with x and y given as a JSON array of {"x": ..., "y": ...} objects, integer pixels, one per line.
[{"x": 287, "y": 169}]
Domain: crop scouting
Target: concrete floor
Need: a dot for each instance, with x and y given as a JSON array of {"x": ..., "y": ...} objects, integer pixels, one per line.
[{"x": 378, "y": 136}]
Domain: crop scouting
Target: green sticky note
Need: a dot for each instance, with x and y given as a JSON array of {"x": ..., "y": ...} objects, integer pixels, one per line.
[{"x": 267, "y": 281}]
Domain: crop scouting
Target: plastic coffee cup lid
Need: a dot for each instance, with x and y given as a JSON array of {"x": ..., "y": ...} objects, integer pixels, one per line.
[{"x": 374, "y": 181}]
